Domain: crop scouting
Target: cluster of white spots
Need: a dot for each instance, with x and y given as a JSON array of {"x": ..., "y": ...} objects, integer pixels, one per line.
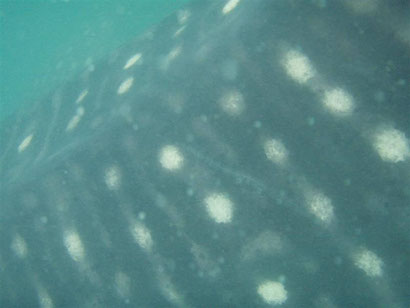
[
  {"x": 229, "y": 6},
  {"x": 142, "y": 236},
  {"x": 272, "y": 292},
  {"x": 321, "y": 206},
  {"x": 122, "y": 285},
  {"x": 112, "y": 177},
  {"x": 74, "y": 245},
  {"x": 131, "y": 61},
  {"x": 298, "y": 66},
  {"x": 275, "y": 151},
  {"x": 391, "y": 145},
  {"x": 75, "y": 119},
  {"x": 232, "y": 102},
  {"x": 219, "y": 207},
  {"x": 338, "y": 102},
  {"x": 81, "y": 97},
  {"x": 19, "y": 246},
  {"x": 368, "y": 262},
  {"x": 171, "y": 158},
  {"x": 125, "y": 85},
  {"x": 25, "y": 143}
]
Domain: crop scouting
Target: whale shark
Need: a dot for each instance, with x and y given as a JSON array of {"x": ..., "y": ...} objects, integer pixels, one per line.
[{"x": 241, "y": 153}]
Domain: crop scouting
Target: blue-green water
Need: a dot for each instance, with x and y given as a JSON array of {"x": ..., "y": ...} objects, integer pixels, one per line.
[{"x": 44, "y": 43}]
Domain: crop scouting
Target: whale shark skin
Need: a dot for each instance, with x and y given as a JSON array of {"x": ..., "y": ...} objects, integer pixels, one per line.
[{"x": 242, "y": 153}]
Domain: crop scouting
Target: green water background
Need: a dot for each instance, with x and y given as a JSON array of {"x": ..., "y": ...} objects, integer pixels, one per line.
[{"x": 44, "y": 42}]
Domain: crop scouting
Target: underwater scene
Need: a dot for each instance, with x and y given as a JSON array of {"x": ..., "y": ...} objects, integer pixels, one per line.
[{"x": 232, "y": 153}]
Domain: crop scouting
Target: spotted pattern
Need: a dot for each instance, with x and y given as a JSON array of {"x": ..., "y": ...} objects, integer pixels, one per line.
[{"x": 227, "y": 144}]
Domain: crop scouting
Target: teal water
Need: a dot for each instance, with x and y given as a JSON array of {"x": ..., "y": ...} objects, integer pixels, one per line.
[{"x": 45, "y": 42}]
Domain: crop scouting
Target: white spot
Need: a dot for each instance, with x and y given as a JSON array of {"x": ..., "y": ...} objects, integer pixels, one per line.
[
  {"x": 275, "y": 151},
  {"x": 44, "y": 299},
  {"x": 174, "y": 53},
  {"x": 125, "y": 85},
  {"x": 131, "y": 61},
  {"x": 81, "y": 97},
  {"x": 142, "y": 215},
  {"x": 90, "y": 67},
  {"x": 219, "y": 208},
  {"x": 142, "y": 236},
  {"x": 363, "y": 6},
  {"x": 232, "y": 102},
  {"x": 391, "y": 145},
  {"x": 229, "y": 69},
  {"x": 369, "y": 262},
  {"x": 168, "y": 290},
  {"x": 75, "y": 119},
  {"x": 80, "y": 111},
  {"x": 176, "y": 102},
  {"x": 73, "y": 123},
  {"x": 183, "y": 16},
  {"x": 112, "y": 178},
  {"x": 265, "y": 244},
  {"x": 179, "y": 31},
  {"x": 338, "y": 102},
  {"x": 25, "y": 143},
  {"x": 170, "y": 158},
  {"x": 321, "y": 206},
  {"x": 123, "y": 285},
  {"x": 273, "y": 292},
  {"x": 171, "y": 56},
  {"x": 19, "y": 246},
  {"x": 403, "y": 34},
  {"x": 74, "y": 245},
  {"x": 298, "y": 66},
  {"x": 229, "y": 6},
  {"x": 206, "y": 264}
]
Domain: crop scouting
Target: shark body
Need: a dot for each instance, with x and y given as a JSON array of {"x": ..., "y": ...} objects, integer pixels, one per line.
[{"x": 240, "y": 154}]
